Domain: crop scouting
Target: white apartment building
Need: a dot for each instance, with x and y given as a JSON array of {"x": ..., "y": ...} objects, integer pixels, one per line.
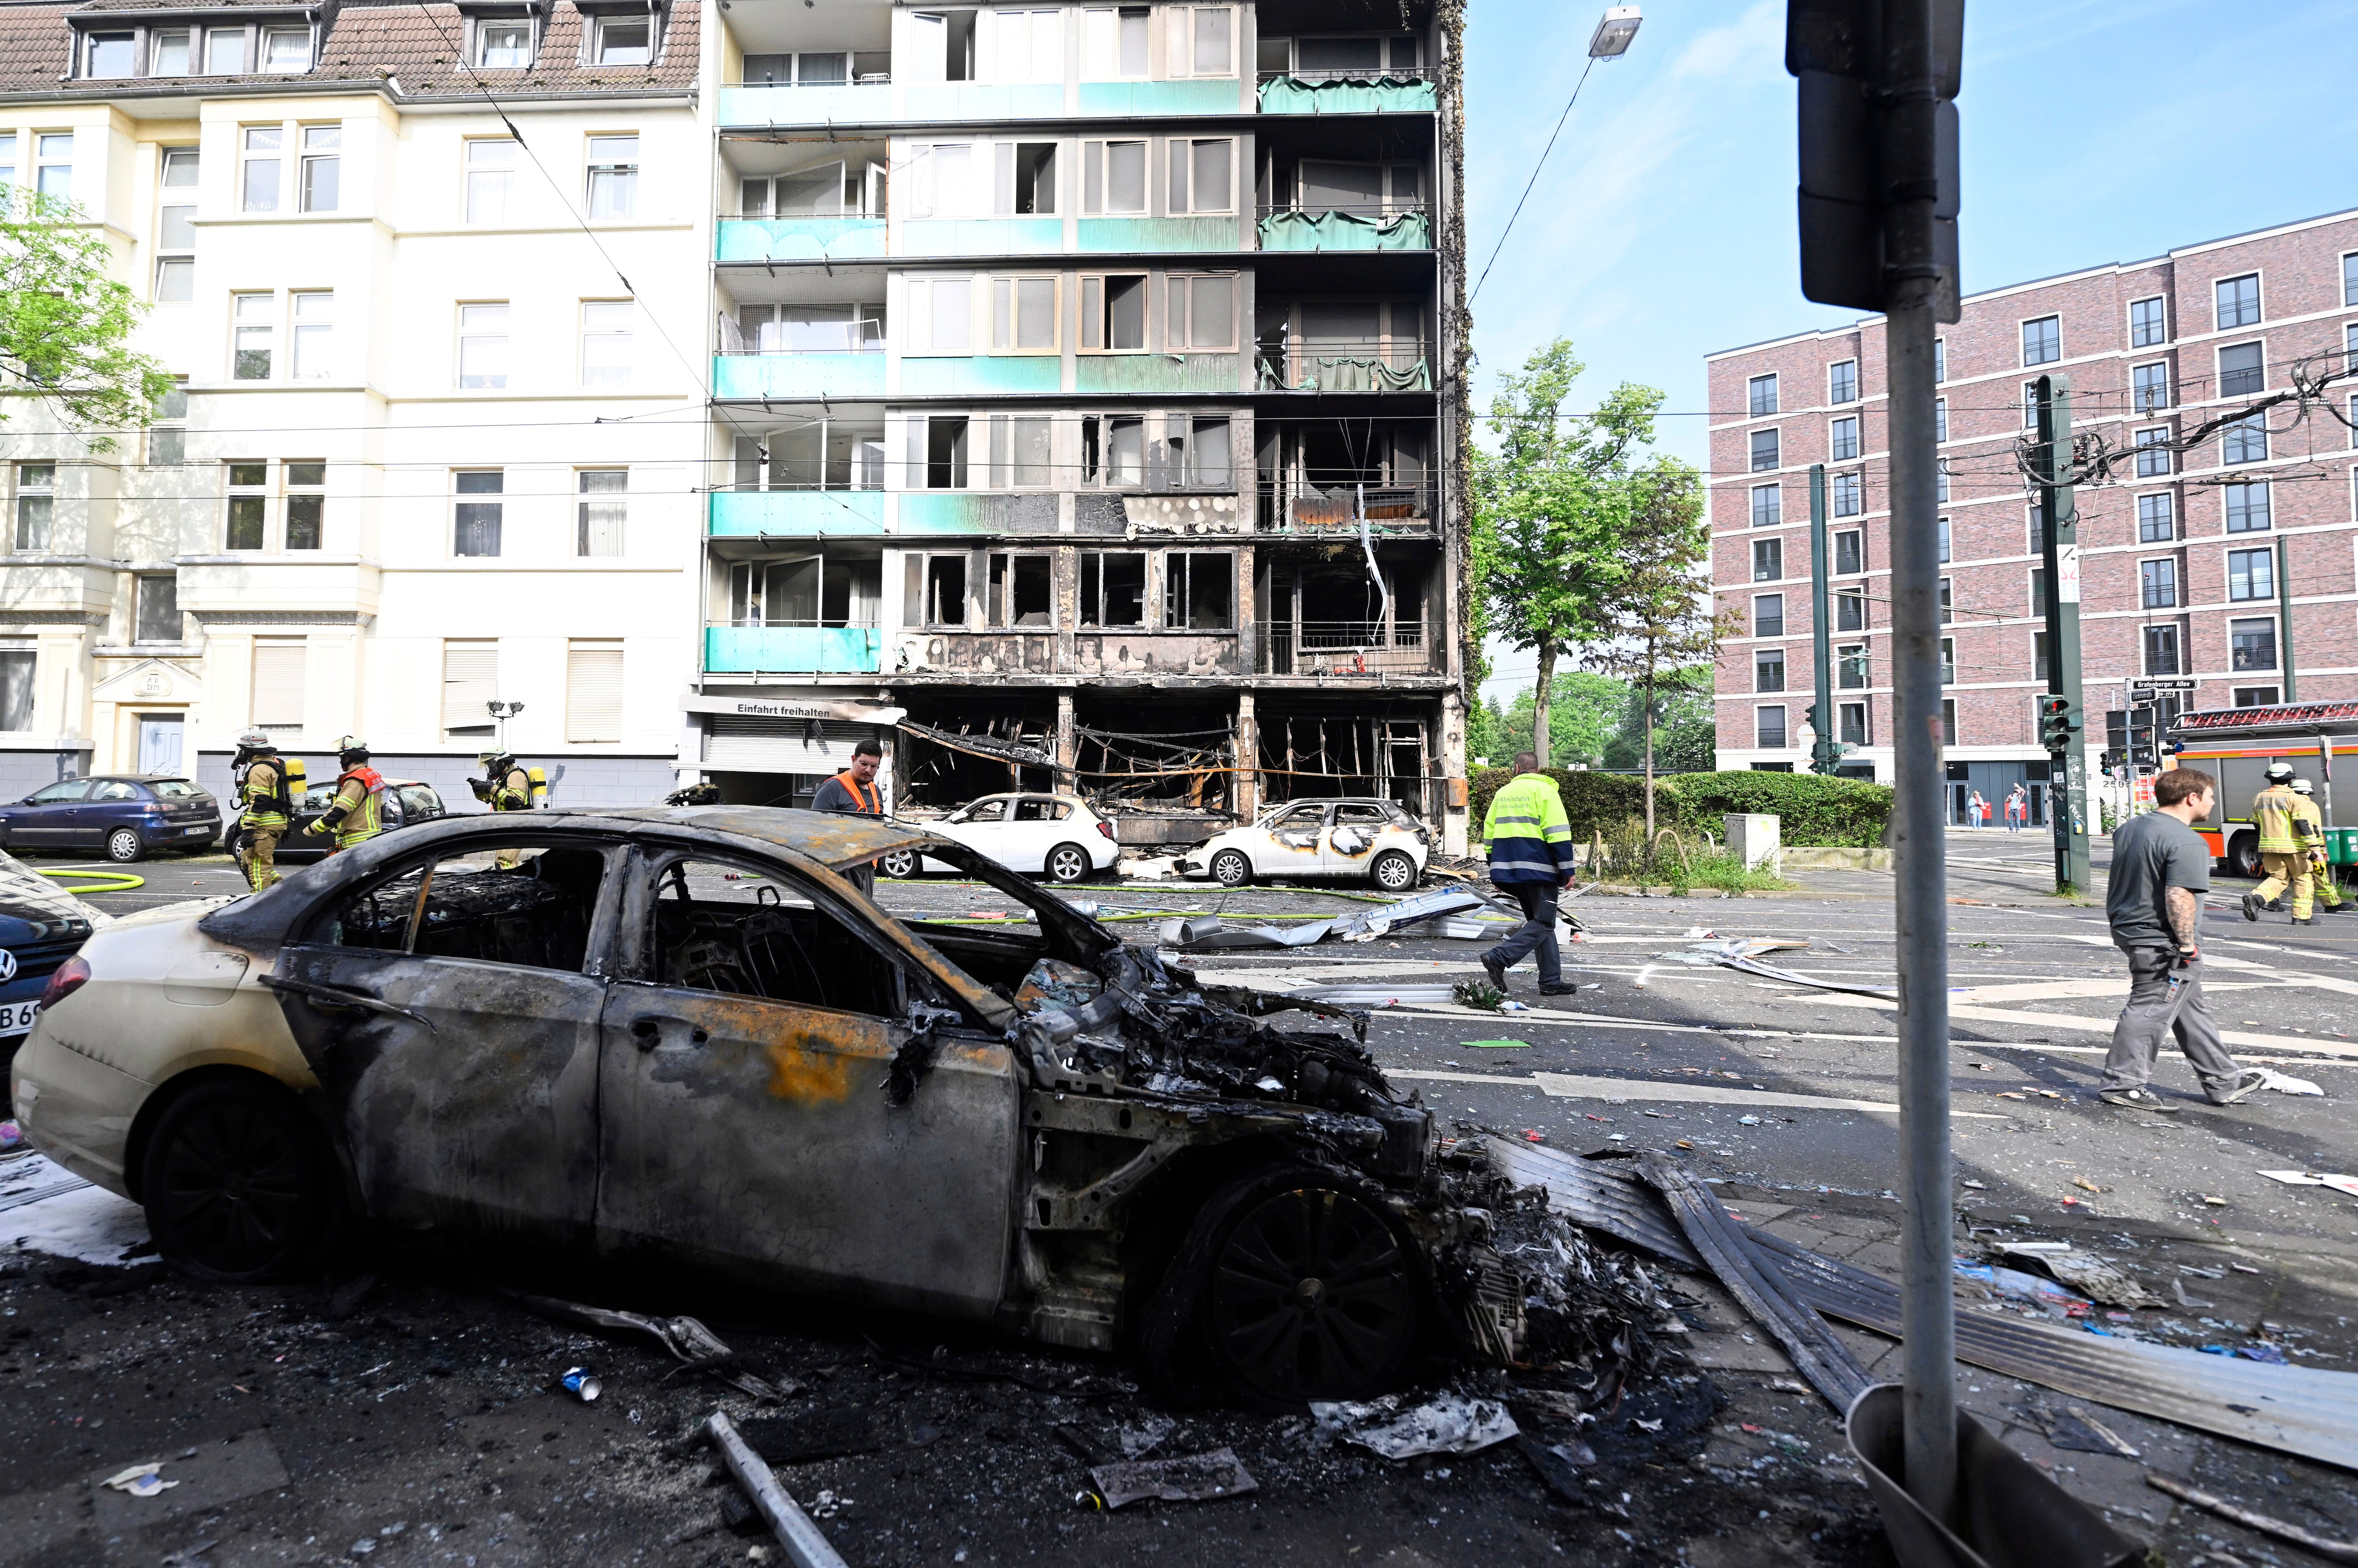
[{"x": 432, "y": 280}]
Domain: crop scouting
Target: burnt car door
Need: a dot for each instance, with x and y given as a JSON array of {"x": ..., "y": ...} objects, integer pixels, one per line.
[
  {"x": 745, "y": 1121},
  {"x": 451, "y": 1009}
]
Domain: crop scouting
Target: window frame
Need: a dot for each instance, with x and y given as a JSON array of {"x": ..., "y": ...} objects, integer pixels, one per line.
[
  {"x": 1097, "y": 173},
  {"x": 1843, "y": 439},
  {"x": 491, "y": 381},
  {"x": 1769, "y": 551},
  {"x": 92, "y": 39},
  {"x": 1761, "y": 727},
  {"x": 262, "y": 319},
  {"x": 2028, "y": 322},
  {"x": 626, "y": 371},
  {"x": 1764, "y": 629},
  {"x": 142, "y": 585},
  {"x": 1768, "y": 661},
  {"x": 309, "y": 163},
  {"x": 2154, "y": 459},
  {"x": 2141, "y": 405},
  {"x": 2220, "y": 371},
  {"x": 1835, "y": 381},
  {"x": 2157, "y": 583},
  {"x": 20, "y": 491},
  {"x": 493, "y": 176},
  {"x": 250, "y": 200},
  {"x": 1179, "y": 286},
  {"x": 310, "y": 342},
  {"x": 1775, "y": 451},
  {"x": 586, "y": 500},
  {"x": 496, "y": 507},
  {"x": 478, "y": 45},
  {"x": 1758, "y": 407},
  {"x": 1775, "y": 510},
  {"x": 301, "y": 492},
  {"x": 1088, "y": 609},
  {"x": 176, "y": 261},
  {"x": 1006, "y": 294},
  {"x": 2161, "y": 304},
  {"x": 2219, "y": 323},
  {"x": 2168, "y": 507},
  {"x": 1183, "y": 40},
  {"x": 2243, "y": 628},
  {"x": 596, "y": 45},
  {"x": 2156, "y": 639},
  {"x": 1183, "y": 564},
  {"x": 2267, "y": 556},
  {"x": 608, "y": 183},
  {"x": 1184, "y": 206},
  {"x": 1098, "y": 320}
]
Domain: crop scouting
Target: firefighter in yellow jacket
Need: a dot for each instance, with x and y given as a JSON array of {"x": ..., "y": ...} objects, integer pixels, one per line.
[
  {"x": 2283, "y": 846},
  {"x": 266, "y": 803},
  {"x": 2320, "y": 868},
  {"x": 356, "y": 814},
  {"x": 506, "y": 786}
]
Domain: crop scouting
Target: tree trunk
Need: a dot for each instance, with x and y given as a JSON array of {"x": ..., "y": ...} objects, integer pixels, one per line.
[
  {"x": 1539, "y": 702},
  {"x": 1649, "y": 753}
]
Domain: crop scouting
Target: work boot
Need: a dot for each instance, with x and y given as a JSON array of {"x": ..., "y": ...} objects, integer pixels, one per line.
[
  {"x": 2274, "y": 906},
  {"x": 2304, "y": 919},
  {"x": 1496, "y": 970},
  {"x": 2250, "y": 906},
  {"x": 2137, "y": 1099},
  {"x": 1560, "y": 988},
  {"x": 2248, "y": 1082}
]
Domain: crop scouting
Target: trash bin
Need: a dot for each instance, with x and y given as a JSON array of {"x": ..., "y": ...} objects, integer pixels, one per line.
[{"x": 2342, "y": 845}]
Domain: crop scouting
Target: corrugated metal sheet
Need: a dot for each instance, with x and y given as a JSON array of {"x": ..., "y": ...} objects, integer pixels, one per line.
[{"x": 1596, "y": 1194}]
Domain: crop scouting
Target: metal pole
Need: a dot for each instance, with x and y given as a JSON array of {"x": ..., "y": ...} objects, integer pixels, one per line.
[
  {"x": 2060, "y": 514},
  {"x": 2284, "y": 618},
  {"x": 1822, "y": 751},
  {"x": 1921, "y": 894}
]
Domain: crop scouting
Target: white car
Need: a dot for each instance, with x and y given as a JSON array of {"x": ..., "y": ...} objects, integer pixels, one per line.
[
  {"x": 1352, "y": 838},
  {"x": 1056, "y": 835}
]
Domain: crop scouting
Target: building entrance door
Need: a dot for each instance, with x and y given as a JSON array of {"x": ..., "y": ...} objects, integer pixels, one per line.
[{"x": 159, "y": 741}]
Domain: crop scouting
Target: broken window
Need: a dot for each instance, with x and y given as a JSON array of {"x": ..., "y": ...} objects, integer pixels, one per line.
[
  {"x": 1021, "y": 591},
  {"x": 1027, "y": 178},
  {"x": 1113, "y": 313},
  {"x": 936, "y": 590},
  {"x": 746, "y": 930},
  {"x": 1199, "y": 590},
  {"x": 1019, "y": 452},
  {"x": 536, "y": 914},
  {"x": 1210, "y": 461},
  {"x": 1113, "y": 587}
]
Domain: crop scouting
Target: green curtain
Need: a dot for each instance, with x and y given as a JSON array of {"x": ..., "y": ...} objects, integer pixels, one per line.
[
  {"x": 1343, "y": 373},
  {"x": 1345, "y": 232},
  {"x": 1365, "y": 95}
]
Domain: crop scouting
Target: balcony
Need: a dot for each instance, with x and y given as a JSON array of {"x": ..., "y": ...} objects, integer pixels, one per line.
[
  {"x": 810, "y": 373},
  {"x": 796, "y": 514},
  {"x": 799, "y": 238},
  {"x": 1392, "y": 228},
  {"x": 961, "y": 375},
  {"x": 1305, "y": 369},
  {"x": 793, "y": 650},
  {"x": 1399, "y": 91},
  {"x": 1191, "y": 371},
  {"x": 870, "y": 100},
  {"x": 1302, "y": 507},
  {"x": 982, "y": 236},
  {"x": 966, "y": 512},
  {"x": 1343, "y": 648},
  {"x": 1186, "y": 236},
  {"x": 865, "y": 102}
]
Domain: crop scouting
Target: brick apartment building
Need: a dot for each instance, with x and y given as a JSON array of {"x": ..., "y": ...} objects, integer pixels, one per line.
[{"x": 2178, "y": 552}]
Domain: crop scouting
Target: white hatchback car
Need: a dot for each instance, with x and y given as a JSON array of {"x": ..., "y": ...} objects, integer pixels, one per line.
[
  {"x": 1057, "y": 835},
  {"x": 1352, "y": 838}
]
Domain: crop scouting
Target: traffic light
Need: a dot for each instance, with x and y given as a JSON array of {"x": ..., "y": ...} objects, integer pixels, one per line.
[
  {"x": 2059, "y": 723},
  {"x": 1867, "y": 141},
  {"x": 1825, "y": 749}
]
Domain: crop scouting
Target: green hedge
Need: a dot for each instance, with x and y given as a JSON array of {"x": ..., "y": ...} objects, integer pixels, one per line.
[{"x": 1811, "y": 809}]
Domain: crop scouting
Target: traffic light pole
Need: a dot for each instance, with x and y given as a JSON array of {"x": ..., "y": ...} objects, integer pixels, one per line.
[
  {"x": 2061, "y": 721},
  {"x": 1823, "y": 750}
]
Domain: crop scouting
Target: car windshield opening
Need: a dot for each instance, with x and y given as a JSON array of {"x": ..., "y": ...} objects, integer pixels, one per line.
[{"x": 748, "y": 931}]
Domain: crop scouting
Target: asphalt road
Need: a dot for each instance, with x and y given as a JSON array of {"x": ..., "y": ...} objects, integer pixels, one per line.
[{"x": 426, "y": 1404}]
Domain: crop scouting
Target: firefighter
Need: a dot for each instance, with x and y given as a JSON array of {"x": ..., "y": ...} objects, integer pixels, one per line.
[
  {"x": 2283, "y": 846},
  {"x": 356, "y": 814},
  {"x": 506, "y": 786},
  {"x": 267, "y": 802},
  {"x": 2320, "y": 870}
]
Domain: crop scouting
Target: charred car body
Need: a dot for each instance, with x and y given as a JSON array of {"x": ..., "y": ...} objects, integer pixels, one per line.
[{"x": 681, "y": 1033}]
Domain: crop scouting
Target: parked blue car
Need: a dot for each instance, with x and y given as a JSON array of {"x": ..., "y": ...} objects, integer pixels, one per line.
[{"x": 124, "y": 816}]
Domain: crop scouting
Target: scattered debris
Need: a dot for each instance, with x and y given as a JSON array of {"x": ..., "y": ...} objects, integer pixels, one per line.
[
  {"x": 2332, "y": 1550},
  {"x": 1447, "y": 1423},
  {"x": 2286, "y": 1083},
  {"x": 1498, "y": 1045},
  {"x": 1146, "y": 1435},
  {"x": 140, "y": 1480},
  {"x": 2075, "y": 1428},
  {"x": 1204, "y": 933},
  {"x": 1558, "y": 1465},
  {"x": 1194, "y": 1478},
  {"x": 2340, "y": 1183},
  {"x": 583, "y": 1384},
  {"x": 818, "y": 1434},
  {"x": 2091, "y": 1276},
  {"x": 684, "y": 1338},
  {"x": 1480, "y": 994},
  {"x": 2186, "y": 1301},
  {"x": 805, "y": 1546}
]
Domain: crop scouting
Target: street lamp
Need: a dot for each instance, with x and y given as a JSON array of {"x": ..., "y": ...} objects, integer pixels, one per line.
[
  {"x": 1614, "y": 31},
  {"x": 503, "y": 711}
]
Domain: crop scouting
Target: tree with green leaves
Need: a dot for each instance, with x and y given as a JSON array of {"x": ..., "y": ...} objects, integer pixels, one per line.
[
  {"x": 66, "y": 324},
  {"x": 1553, "y": 501},
  {"x": 1660, "y": 633}
]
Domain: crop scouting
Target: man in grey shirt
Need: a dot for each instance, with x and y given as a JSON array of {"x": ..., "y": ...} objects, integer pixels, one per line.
[{"x": 2154, "y": 905}]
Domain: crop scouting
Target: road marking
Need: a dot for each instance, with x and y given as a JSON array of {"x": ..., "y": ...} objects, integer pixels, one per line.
[
  {"x": 2104, "y": 1026},
  {"x": 1565, "y": 1085},
  {"x": 2035, "y": 990}
]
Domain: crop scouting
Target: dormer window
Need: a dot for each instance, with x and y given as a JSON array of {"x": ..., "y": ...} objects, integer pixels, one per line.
[
  {"x": 504, "y": 45},
  {"x": 167, "y": 52},
  {"x": 225, "y": 52},
  {"x": 110, "y": 54},
  {"x": 287, "y": 50},
  {"x": 624, "y": 41}
]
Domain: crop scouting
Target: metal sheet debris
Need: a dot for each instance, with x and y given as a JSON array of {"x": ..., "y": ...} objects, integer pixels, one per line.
[
  {"x": 1597, "y": 1195},
  {"x": 2338, "y": 1182},
  {"x": 1449, "y": 1423},
  {"x": 2090, "y": 1275},
  {"x": 684, "y": 1338},
  {"x": 2332, "y": 1550},
  {"x": 1207, "y": 933},
  {"x": 1192, "y": 1478}
]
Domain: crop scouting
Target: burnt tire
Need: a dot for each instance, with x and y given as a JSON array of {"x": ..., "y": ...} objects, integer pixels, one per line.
[
  {"x": 1067, "y": 863},
  {"x": 1289, "y": 1289},
  {"x": 898, "y": 864},
  {"x": 1394, "y": 872},
  {"x": 1230, "y": 869},
  {"x": 239, "y": 1184}
]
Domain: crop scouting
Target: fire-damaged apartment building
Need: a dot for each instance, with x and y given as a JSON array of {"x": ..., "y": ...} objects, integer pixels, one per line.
[{"x": 1084, "y": 401}]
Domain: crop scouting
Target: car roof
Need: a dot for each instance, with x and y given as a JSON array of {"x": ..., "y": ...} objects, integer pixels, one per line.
[{"x": 137, "y": 778}]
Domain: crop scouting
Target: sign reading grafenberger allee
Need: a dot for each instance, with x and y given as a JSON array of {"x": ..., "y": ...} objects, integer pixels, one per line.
[
  {"x": 2160, "y": 683},
  {"x": 792, "y": 707}
]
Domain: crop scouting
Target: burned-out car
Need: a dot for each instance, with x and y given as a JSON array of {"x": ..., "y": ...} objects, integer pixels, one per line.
[{"x": 682, "y": 1035}]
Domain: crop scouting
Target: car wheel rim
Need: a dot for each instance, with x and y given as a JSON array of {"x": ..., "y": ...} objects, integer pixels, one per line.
[
  {"x": 897, "y": 865},
  {"x": 1393, "y": 873},
  {"x": 1066, "y": 867},
  {"x": 1312, "y": 1297},
  {"x": 233, "y": 1190},
  {"x": 124, "y": 845},
  {"x": 1230, "y": 868}
]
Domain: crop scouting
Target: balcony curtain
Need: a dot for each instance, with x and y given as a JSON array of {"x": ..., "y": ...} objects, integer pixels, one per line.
[
  {"x": 1346, "y": 231},
  {"x": 1346, "y": 96},
  {"x": 1347, "y": 373}
]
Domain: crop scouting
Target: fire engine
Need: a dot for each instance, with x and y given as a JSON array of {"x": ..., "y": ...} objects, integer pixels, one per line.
[{"x": 2235, "y": 745}]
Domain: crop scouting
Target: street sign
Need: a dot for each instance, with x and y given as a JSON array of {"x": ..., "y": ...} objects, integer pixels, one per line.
[{"x": 2160, "y": 683}]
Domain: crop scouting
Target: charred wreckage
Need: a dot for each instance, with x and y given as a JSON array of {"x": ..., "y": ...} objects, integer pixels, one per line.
[{"x": 681, "y": 1033}]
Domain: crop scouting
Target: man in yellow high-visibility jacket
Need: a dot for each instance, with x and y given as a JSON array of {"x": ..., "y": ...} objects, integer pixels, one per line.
[
  {"x": 2283, "y": 846},
  {"x": 2321, "y": 866},
  {"x": 1529, "y": 845}
]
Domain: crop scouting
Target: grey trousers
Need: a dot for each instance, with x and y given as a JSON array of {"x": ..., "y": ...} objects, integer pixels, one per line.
[
  {"x": 1535, "y": 934},
  {"x": 2136, "y": 1038}
]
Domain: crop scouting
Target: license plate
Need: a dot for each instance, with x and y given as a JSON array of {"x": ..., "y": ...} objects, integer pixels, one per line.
[
  {"x": 16, "y": 1017},
  {"x": 196, "y": 830}
]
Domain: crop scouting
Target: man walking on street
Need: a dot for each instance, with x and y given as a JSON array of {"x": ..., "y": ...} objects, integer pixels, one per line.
[
  {"x": 2283, "y": 846},
  {"x": 2154, "y": 905},
  {"x": 2320, "y": 864},
  {"x": 853, "y": 793},
  {"x": 1530, "y": 842}
]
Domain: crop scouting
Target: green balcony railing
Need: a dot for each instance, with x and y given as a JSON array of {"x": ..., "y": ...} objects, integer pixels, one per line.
[
  {"x": 938, "y": 376},
  {"x": 1344, "y": 230},
  {"x": 1388, "y": 92},
  {"x": 793, "y": 650},
  {"x": 836, "y": 104},
  {"x": 796, "y": 514},
  {"x": 800, "y": 239},
  {"x": 753, "y": 377}
]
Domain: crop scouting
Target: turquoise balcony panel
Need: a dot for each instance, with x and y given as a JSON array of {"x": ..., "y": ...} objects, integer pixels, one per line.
[
  {"x": 851, "y": 103},
  {"x": 982, "y": 101},
  {"x": 1213, "y": 95},
  {"x": 838, "y": 650},
  {"x": 1120, "y": 236},
  {"x": 1346, "y": 231},
  {"x": 796, "y": 513},
  {"x": 982, "y": 236},
  {"x": 1157, "y": 372},
  {"x": 798, "y": 375},
  {"x": 801, "y": 239},
  {"x": 936, "y": 376},
  {"x": 1368, "y": 95},
  {"x": 960, "y": 511}
]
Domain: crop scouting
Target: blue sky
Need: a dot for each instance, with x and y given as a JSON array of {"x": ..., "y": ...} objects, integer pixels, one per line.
[{"x": 1663, "y": 227}]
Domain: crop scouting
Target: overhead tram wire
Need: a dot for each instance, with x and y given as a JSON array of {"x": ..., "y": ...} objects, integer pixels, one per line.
[{"x": 1534, "y": 179}]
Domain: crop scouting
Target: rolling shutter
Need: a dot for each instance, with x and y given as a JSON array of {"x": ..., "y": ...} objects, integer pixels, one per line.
[
  {"x": 593, "y": 691},
  {"x": 816, "y": 746},
  {"x": 470, "y": 678},
  {"x": 279, "y": 667}
]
